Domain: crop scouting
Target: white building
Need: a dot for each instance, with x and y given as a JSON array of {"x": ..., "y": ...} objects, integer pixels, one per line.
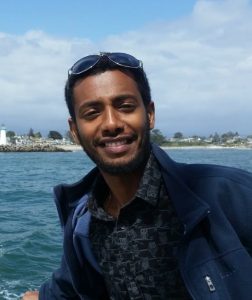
[{"x": 3, "y": 140}]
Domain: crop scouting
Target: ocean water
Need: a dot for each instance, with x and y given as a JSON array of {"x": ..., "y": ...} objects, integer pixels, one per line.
[{"x": 30, "y": 235}]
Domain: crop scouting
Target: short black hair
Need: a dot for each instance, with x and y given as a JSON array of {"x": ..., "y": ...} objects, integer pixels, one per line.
[{"x": 103, "y": 65}]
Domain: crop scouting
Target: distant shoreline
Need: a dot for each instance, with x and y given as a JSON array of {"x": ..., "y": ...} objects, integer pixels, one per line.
[
  {"x": 75, "y": 148},
  {"x": 209, "y": 147},
  {"x": 79, "y": 148},
  {"x": 32, "y": 148},
  {"x": 71, "y": 148}
]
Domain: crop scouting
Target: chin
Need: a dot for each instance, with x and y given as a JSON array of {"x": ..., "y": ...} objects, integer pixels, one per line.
[{"x": 125, "y": 167}]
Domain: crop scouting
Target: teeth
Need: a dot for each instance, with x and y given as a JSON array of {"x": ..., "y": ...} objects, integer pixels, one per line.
[{"x": 115, "y": 144}]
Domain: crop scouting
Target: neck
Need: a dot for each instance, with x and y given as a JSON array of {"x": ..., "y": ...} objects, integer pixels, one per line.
[{"x": 122, "y": 189}]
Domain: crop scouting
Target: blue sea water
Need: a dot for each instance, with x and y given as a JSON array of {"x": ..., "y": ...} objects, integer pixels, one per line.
[{"x": 30, "y": 235}]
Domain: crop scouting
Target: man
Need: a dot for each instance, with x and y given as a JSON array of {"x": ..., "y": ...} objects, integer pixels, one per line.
[{"x": 141, "y": 226}]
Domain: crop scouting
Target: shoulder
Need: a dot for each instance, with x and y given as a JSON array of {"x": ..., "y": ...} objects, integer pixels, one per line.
[
  {"x": 192, "y": 173},
  {"x": 67, "y": 196},
  {"x": 225, "y": 189},
  {"x": 207, "y": 172},
  {"x": 206, "y": 180}
]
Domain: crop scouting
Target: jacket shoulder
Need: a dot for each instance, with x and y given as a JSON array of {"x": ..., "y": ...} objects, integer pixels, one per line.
[
  {"x": 67, "y": 196},
  {"x": 192, "y": 173},
  {"x": 203, "y": 172}
]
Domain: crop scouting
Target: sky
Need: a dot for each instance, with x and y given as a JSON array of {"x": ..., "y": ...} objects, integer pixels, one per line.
[{"x": 197, "y": 55}]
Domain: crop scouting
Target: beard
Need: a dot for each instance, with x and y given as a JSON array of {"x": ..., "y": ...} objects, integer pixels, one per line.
[{"x": 135, "y": 162}]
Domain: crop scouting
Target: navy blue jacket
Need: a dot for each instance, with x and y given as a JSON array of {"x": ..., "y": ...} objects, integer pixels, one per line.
[{"x": 215, "y": 205}]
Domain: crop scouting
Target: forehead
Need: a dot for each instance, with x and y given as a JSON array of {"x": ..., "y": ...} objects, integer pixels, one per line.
[{"x": 106, "y": 83}]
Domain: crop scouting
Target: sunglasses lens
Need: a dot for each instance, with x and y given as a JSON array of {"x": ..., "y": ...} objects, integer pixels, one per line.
[
  {"x": 124, "y": 59},
  {"x": 88, "y": 62},
  {"x": 84, "y": 64}
]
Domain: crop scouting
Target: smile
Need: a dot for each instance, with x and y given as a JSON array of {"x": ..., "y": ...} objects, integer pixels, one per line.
[{"x": 116, "y": 144}]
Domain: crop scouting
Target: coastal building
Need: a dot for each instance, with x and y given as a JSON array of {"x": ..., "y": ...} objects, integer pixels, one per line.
[{"x": 3, "y": 140}]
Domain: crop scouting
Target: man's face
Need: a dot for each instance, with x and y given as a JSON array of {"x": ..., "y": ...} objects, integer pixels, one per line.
[{"x": 112, "y": 124}]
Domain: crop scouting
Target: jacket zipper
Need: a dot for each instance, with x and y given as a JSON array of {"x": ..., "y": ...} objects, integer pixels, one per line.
[{"x": 210, "y": 284}]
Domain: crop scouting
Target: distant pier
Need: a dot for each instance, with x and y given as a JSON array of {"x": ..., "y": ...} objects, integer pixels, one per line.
[{"x": 32, "y": 148}]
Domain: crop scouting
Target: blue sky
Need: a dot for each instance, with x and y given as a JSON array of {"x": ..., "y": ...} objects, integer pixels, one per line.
[
  {"x": 197, "y": 55},
  {"x": 90, "y": 19}
]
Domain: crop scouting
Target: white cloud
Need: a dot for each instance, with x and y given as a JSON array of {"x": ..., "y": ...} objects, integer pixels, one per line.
[
  {"x": 32, "y": 76},
  {"x": 200, "y": 70},
  {"x": 199, "y": 67}
]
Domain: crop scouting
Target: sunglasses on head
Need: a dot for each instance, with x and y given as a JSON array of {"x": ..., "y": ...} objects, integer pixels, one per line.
[{"x": 88, "y": 62}]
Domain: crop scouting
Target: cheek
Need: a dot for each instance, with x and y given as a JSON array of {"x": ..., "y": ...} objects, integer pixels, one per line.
[
  {"x": 142, "y": 123},
  {"x": 82, "y": 130},
  {"x": 137, "y": 121},
  {"x": 88, "y": 132}
]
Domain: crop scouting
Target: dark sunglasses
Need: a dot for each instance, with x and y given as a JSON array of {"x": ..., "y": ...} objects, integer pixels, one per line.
[{"x": 88, "y": 62}]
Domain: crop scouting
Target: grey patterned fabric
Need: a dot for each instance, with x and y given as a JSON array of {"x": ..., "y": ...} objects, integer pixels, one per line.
[{"x": 137, "y": 251}]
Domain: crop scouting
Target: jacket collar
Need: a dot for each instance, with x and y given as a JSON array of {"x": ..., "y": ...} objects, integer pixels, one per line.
[
  {"x": 67, "y": 196},
  {"x": 190, "y": 208}
]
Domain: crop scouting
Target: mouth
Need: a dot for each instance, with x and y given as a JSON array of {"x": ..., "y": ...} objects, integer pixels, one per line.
[
  {"x": 116, "y": 142},
  {"x": 117, "y": 146}
]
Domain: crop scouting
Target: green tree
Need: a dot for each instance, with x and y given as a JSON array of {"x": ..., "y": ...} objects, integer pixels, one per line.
[
  {"x": 37, "y": 135},
  {"x": 10, "y": 134},
  {"x": 216, "y": 138},
  {"x": 157, "y": 137},
  {"x": 55, "y": 135},
  {"x": 178, "y": 135},
  {"x": 229, "y": 135},
  {"x": 31, "y": 133}
]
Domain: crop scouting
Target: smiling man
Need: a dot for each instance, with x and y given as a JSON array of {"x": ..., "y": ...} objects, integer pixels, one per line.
[{"x": 139, "y": 225}]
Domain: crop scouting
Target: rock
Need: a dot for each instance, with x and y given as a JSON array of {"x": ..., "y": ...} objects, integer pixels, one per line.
[{"x": 31, "y": 148}]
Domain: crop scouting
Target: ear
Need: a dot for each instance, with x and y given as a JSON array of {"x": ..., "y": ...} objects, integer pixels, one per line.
[
  {"x": 74, "y": 130},
  {"x": 151, "y": 114}
]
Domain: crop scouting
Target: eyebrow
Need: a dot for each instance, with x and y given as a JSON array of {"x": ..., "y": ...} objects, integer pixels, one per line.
[
  {"x": 125, "y": 96},
  {"x": 97, "y": 102},
  {"x": 90, "y": 103}
]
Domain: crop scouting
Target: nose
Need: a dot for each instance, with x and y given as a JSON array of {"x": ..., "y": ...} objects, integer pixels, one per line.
[{"x": 111, "y": 123}]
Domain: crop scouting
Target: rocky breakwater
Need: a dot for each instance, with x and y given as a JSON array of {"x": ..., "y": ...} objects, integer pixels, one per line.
[{"x": 31, "y": 148}]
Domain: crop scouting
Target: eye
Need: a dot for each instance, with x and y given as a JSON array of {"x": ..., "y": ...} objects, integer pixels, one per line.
[
  {"x": 90, "y": 114},
  {"x": 127, "y": 107}
]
